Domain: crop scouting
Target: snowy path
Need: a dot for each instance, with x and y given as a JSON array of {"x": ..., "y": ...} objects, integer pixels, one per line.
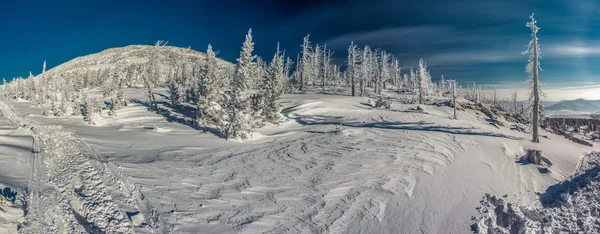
[
  {"x": 16, "y": 146},
  {"x": 78, "y": 193}
]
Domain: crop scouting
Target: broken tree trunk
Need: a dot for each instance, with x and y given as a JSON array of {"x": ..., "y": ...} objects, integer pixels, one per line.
[{"x": 534, "y": 157}]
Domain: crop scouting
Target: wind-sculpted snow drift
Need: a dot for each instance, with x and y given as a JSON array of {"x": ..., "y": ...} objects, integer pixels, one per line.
[{"x": 571, "y": 206}]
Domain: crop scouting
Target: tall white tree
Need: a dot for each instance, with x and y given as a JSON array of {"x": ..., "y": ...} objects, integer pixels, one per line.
[
  {"x": 272, "y": 88},
  {"x": 351, "y": 69},
  {"x": 365, "y": 70},
  {"x": 452, "y": 86},
  {"x": 210, "y": 89},
  {"x": 152, "y": 74},
  {"x": 44, "y": 67},
  {"x": 238, "y": 108},
  {"x": 384, "y": 74},
  {"x": 442, "y": 86},
  {"x": 316, "y": 64},
  {"x": 533, "y": 48},
  {"x": 304, "y": 64},
  {"x": 424, "y": 81}
]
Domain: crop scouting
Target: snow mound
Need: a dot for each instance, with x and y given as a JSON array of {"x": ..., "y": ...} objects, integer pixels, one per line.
[
  {"x": 129, "y": 55},
  {"x": 571, "y": 206}
]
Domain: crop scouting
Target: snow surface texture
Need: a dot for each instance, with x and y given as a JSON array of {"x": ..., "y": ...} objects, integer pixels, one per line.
[
  {"x": 79, "y": 192},
  {"x": 15, "y": 153},
  {"x": 571, "y": 206},
  {"x": 394, "y": 170}
]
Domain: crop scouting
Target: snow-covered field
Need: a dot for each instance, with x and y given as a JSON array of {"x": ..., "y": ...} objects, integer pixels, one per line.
[
  {"x": 15, "y": 161},
  {"x": 395, "y": 170}
]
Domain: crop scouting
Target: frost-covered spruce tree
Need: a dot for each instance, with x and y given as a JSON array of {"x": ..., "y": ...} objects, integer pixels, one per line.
[
  {"x": 304, "y": 64},
  {"x": 85, "y": 109},
  {"x": 316, "y": 64},
  {"x": 533, "y": 48},
  {"x": 452, "y": 86},
  {"x": 365, "y": 70},
  {"x": 173, "y": 87},
  {"x": 424, "y": 81},
  {"x": 90, "y": 108},
  {"x": 272, "y": 89},
  {"x": 120, "y": 100},
  {"x": 211, "y": 85},
  {"x": 77, "y": 104},
  {"x": 240, "y": 122},
  {"x": 289, "y": 85},
  {"x": 442, "y": 87},
  {"x": 108, "y": 86},
  {"x": 44, "y": 67},
  {"x": 413, "y": 83},
  {"x": 112, "y": 111},
  {"x": 153, "y": 74},
  {"x": 375, "y": 70},
  {"x": 384, "y": 73},
  {"x": 397, "y": 71},
  {"x": 514, "y": 101},
  {"x": 351, "y": 68}
]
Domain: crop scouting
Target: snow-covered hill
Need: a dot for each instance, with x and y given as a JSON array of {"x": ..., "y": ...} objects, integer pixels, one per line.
[
  {"x": 396, "y": 170},
  {"x": 576, "y": 106},
  {"x": 170, "y": 57}
]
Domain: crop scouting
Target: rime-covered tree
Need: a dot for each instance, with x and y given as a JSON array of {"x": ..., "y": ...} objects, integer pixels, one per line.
[
  {"x": 384, "y": 74},
  {"x": 397, "y": 74},
  {"x": 351, "y": 68},
  {"x": 452, "y": 87},
  {"x": 304, "y": 64},
  {"x": 365, "y": 69},
  {"x": 442, "y": 86},
  {"x": 413, "y": 82},
  {"x": 152, "y": 74},
  {"x": 240, "y": 122},
  {"x": 120, "y": 89},
  {"x": 173, "y": 87},
  {"x": 533, "y": 48},
  {"x": 424, "y": 81},
  {"x": 210, "y": 92},
  {"x": 316, "y": 64},
  {"x": 44, "y": 67},
  {"x": 326, "y": 73},
  {"x": 271, "y": 89}
]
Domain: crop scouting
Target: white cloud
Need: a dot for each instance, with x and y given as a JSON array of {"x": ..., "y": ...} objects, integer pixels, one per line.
[
  {"x": 473, "y": 57},
  {"x": 576, "y": 49}
]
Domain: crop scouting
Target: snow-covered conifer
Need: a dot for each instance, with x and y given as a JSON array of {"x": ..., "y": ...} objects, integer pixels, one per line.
[
  {"x": 152, "y": 75},
  {"x": 304, "y": 64},
  {"x": 365, "y": 70},
  {"x": 271, "y": 90},
  {"x": 351, "y": 69},
  {"x": 238, "y": 109},
  {"x": 211, "y": 85},
  {"x": 424, "y": 81}
]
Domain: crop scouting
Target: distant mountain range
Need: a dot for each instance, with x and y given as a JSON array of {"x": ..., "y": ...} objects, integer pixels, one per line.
[{"x": 579, "y": 106}]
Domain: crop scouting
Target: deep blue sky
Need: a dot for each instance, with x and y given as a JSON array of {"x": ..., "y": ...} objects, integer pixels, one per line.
[{"x": 472, "y": 40}]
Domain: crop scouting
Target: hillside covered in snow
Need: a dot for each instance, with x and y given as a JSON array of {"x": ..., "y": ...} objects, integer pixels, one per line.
[{"x": 158, "y": 139}]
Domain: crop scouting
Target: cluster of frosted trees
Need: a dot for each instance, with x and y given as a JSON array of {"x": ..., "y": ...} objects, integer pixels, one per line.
[
  {"x": 365, "y": 69},
  {"x": 233, "y": 101},
  {"x": 62, "y": 94},
  {"x": 237, "y": 99}
]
